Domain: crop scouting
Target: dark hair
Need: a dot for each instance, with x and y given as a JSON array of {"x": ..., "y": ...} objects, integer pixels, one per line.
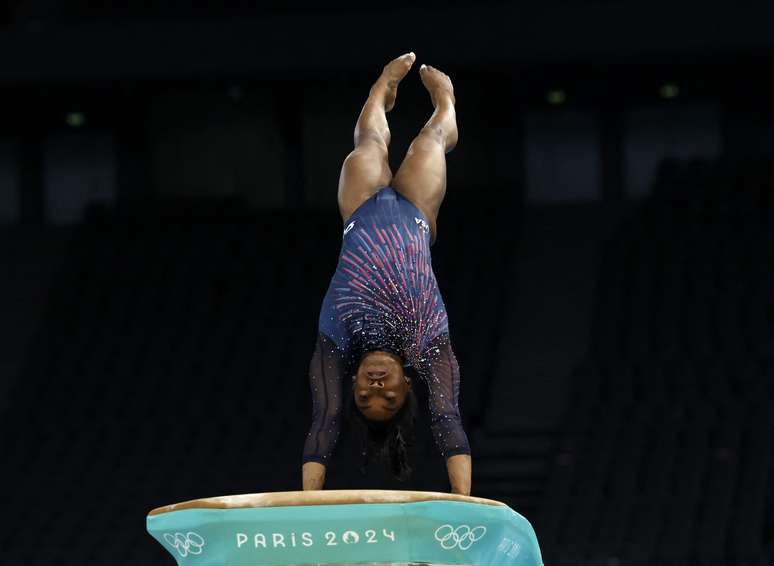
[{"x": 384, "y": 441}]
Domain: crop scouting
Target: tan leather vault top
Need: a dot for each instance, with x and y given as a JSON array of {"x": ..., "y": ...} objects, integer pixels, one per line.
[{"x": 322, "y": 497}]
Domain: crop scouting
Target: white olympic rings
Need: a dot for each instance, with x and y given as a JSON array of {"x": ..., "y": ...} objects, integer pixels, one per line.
[
  {"x": 185, "y": 544},
  {"x": 462, "y": 537}
]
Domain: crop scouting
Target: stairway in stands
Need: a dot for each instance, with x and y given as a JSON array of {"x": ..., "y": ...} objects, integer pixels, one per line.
[
  {"x": 513, "y": 467},
  {"x": 542, "y": 334}
]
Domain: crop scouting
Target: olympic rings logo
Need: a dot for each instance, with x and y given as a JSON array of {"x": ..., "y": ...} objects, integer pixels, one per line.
[
  {"x": 462, "y": 537},
  {"x": 190, "y": 543}
]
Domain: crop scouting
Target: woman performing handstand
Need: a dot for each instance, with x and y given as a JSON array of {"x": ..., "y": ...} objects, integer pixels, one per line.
[{"x": 383, "y": 319}]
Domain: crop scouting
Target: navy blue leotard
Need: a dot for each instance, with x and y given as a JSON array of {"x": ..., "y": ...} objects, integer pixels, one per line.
[{"x": 384, "y": 296}]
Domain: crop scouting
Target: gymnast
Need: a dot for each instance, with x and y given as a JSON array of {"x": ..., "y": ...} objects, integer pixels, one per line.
[{"x": 383, "y": 320}]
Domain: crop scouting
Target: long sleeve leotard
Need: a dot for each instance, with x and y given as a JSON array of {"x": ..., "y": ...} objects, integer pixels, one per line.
[{"x": 384, "y": 296}]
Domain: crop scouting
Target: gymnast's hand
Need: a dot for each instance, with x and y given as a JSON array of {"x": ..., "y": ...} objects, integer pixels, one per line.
[{"x": 313, "y": 474}]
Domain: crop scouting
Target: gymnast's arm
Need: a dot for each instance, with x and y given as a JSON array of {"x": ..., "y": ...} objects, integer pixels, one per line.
[
  {"x": 459, "y": 469},
  {"x": 313, "y": 475},
  {"x": 326, "y": 370},
  {"x": 443, "y": 381}
]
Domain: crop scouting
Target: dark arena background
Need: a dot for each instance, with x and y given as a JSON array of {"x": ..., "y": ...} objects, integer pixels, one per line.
[{"x": 168, "y": 178}]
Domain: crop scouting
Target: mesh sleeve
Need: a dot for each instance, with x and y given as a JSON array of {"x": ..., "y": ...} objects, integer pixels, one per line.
[
  {"x": 326, "y": 372},
  {"x": 442, "y": 373}
]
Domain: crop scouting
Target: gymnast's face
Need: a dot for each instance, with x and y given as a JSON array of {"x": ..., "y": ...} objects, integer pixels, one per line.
[{"x": 380, "y": 386}]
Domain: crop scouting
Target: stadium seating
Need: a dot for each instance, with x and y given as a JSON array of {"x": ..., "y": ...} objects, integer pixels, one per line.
[{"x": 663, "y": 454}]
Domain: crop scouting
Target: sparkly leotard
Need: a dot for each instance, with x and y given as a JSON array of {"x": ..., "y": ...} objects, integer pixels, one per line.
[{"x": 384, "y": 296}]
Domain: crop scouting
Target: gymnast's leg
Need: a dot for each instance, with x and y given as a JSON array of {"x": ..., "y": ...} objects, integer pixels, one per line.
[
  {"x": 421, "y": 177},
  {"x": 366, "y": 169}
]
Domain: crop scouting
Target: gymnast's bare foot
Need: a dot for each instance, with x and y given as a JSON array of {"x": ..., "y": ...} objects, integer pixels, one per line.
[
  {"x": 386, "y": 86},
  {"x": 438, "y": 84},
  {"x": 443, "y": 123}
]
